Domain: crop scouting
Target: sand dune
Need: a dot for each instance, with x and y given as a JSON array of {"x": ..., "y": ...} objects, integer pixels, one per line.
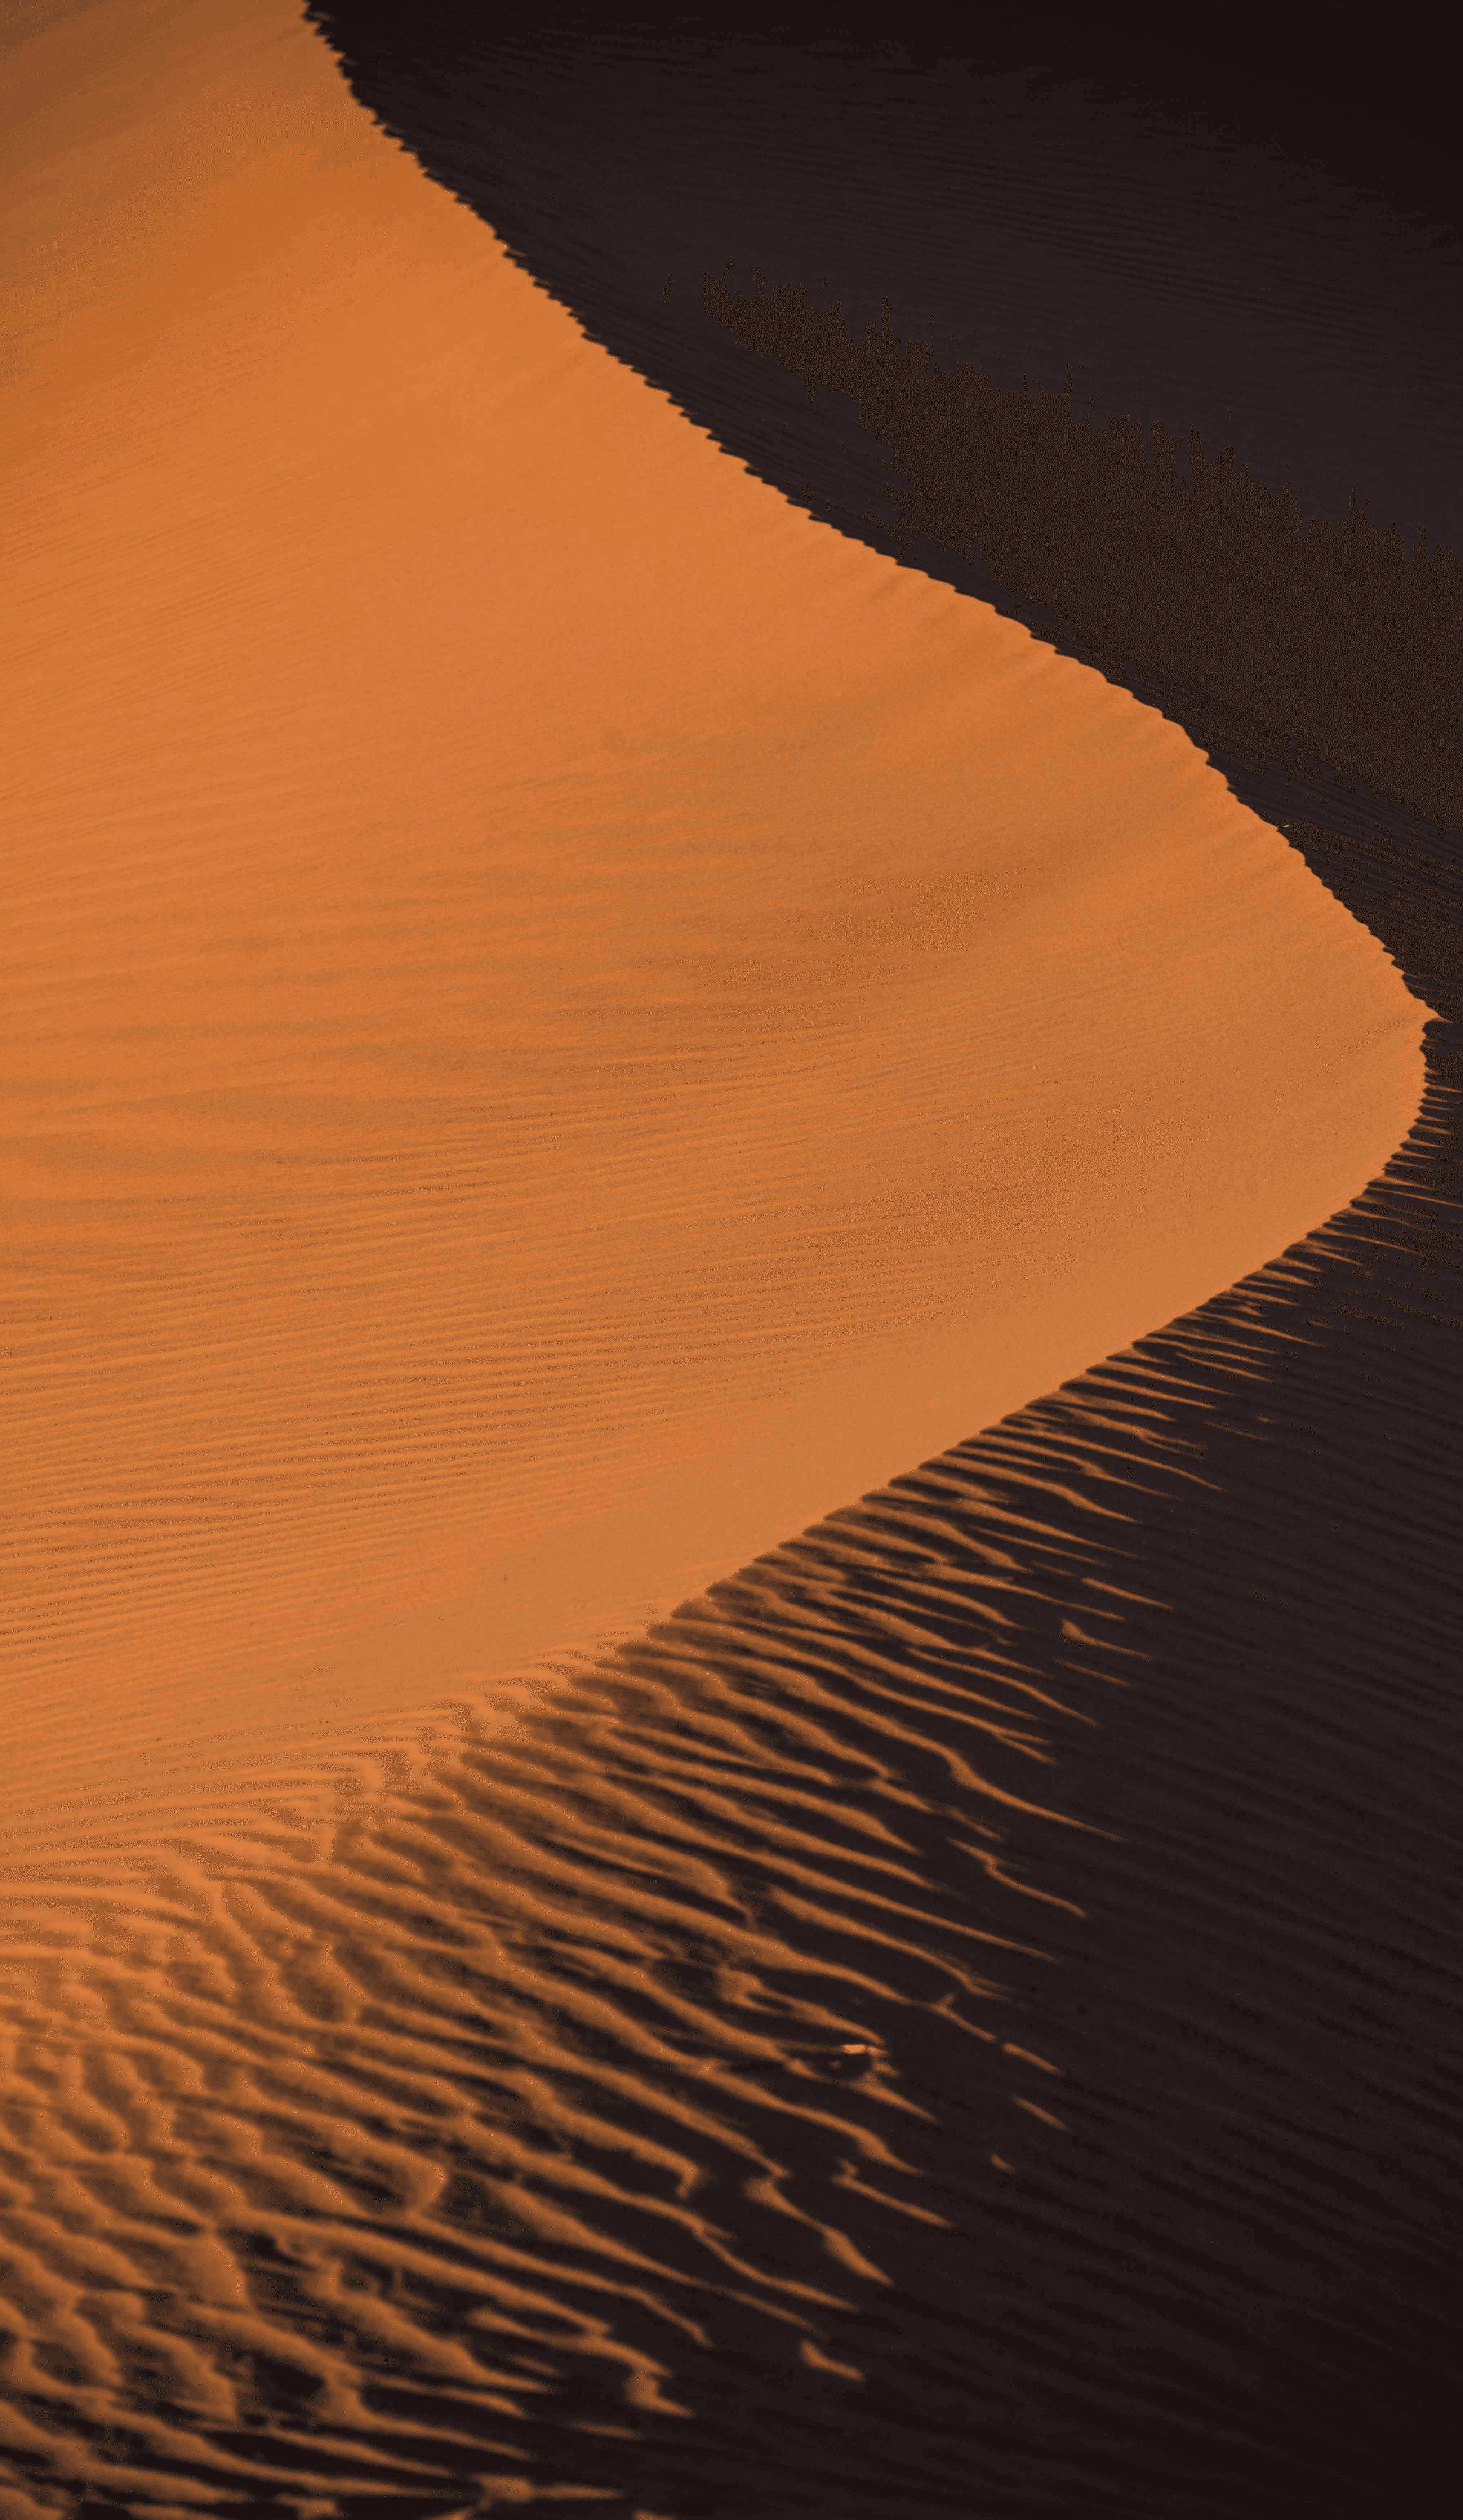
[
  {"x": 918, "y": 2024},
  {"x": 565, "y": 1023},
  {"x": 563, "y": 1020},
  {"x": 1165, "y": 374}
]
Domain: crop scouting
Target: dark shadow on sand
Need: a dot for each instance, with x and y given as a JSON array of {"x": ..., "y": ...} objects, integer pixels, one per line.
[{"x": 1193, "y": 1618}]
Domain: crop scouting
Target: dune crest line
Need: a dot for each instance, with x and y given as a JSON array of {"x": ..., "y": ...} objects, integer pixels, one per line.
[
  {"x": 963, "y": 2013},
  {"x": 563, "y": 1018},
  {"x": 816, "y": 2058}
]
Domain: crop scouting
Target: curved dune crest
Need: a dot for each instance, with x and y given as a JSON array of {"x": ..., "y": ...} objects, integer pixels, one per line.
[{"x": 562, "y": 1020}]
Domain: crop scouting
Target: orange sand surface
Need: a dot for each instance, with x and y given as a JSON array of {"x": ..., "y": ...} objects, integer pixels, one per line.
[{"x": 559, "y": 1021}]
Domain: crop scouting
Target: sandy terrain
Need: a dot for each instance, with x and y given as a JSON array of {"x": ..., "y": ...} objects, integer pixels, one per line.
[
  {"x": 561, "y": 1020},
  {"x": 565, "y": 1023}
]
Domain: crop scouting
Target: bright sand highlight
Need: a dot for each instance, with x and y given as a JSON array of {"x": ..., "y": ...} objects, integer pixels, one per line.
[{"x": 561, "y": 1021}]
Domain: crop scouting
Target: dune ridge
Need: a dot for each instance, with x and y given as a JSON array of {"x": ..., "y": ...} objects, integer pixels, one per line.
[
  {"x": 1043, "y": 309},
  {"x": 561, "y": 1019},
  {"x": 813, "y": 2060},
  {"x": 965, "y": 2010}
]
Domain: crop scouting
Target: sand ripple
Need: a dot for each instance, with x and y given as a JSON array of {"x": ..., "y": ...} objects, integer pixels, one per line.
[
  {"x": 927, "y": 2028},
  {"x": 963, "y": 2016}
]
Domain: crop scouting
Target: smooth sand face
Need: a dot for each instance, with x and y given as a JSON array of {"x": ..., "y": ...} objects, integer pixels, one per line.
[{"x": 561, "y": 1021}]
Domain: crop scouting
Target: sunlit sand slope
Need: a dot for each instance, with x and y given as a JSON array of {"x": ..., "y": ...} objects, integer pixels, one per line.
[
  {"x": 564, "y": 1024},
  {"x": 1146, "y": 336},
  {"x": 961, "y": 2019},
  {"x": 561, "y": 1020}
]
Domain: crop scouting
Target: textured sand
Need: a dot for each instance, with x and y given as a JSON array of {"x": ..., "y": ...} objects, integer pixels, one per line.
[
  {"x": 566, "y": 1022},
  {"x": 561, "y": 1019}
]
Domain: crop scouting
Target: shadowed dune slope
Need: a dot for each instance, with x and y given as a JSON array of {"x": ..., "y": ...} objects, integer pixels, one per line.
[
  {"x": 957, "y": 2020},
  {"x": 562, "y": 1019},
  {"x": 963, "y": 2018},
  {"x": 1169, "y": 374}
]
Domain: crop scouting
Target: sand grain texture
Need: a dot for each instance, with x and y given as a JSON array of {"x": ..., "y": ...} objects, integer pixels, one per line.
[{"x": 563, "y": 1020}]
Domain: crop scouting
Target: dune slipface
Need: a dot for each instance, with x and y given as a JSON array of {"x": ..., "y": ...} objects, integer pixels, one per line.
[{"x": 567, "y": 1019}]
